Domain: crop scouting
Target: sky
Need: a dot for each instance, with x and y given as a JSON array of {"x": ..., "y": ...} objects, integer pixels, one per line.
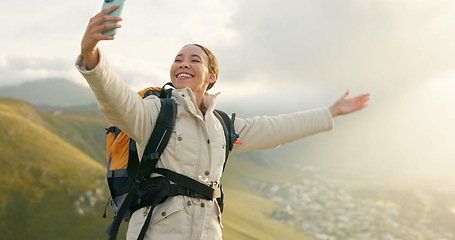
[{"x": 276, "y": 57}]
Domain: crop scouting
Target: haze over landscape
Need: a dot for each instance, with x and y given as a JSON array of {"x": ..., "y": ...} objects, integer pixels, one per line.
[{"x": 302, "y": 54}]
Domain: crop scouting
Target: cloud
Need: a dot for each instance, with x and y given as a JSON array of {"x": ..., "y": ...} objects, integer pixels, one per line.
[
  {"x": 388, "y": 43},
  {"x": 16, "y": 70},
  {"x": 307, "y": 52},
  {"x": 375, "y": 44},
  {"x": 3, "y": 63},
  {"x": 326, "y": 46}
]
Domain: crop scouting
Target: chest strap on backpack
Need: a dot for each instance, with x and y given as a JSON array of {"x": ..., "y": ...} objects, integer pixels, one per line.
[
  {"x": 204, "y": 190},
  {"x": 177, "y": 189}
]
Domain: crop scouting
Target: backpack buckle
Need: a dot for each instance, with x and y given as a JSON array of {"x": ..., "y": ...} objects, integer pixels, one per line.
[{"x": 216, "y": 192}]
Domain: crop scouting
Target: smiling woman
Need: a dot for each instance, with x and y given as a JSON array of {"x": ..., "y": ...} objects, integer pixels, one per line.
[{"x": 198, "y": 144}]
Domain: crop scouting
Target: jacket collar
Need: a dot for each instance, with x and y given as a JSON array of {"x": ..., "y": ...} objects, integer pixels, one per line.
[{"x": 186, "y": 97}]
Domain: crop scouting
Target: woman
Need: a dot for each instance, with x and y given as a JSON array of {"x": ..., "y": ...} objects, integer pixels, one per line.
[{"x": 197, "y": 145}]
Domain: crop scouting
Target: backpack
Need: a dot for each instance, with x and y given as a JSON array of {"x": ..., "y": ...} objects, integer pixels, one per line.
[{"x": 129, "y": 180}]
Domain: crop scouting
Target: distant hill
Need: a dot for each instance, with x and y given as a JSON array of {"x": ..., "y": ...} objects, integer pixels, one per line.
[{"x": 51, "y": 92}]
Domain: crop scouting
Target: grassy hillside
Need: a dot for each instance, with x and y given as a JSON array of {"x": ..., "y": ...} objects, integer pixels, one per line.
[
  {"x": 50, "y": 189},
  {"x": 83, "y": 127}
]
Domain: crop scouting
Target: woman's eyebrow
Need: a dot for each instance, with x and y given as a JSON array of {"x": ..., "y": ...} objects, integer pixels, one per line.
[
  {"x": 192, "y": 55},
  {"x": 195, "y": 55}
]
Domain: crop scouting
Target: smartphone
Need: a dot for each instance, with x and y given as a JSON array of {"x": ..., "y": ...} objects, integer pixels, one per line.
[{"x": 116, "y": 12}]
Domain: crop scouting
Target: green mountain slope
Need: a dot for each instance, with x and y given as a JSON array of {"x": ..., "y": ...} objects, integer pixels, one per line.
[
  {"x": 50, "y": 189},
  {"x": 81, "y": 126}
]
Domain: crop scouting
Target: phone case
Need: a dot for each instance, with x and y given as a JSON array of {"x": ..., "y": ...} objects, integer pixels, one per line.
[{"x": 117, "y": 12}]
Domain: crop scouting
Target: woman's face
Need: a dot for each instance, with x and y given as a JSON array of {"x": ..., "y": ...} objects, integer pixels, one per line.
[{"x": 190, "y": 69}]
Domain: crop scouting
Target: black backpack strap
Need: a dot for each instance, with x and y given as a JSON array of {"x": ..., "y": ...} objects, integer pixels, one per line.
[
  {"x": 157, "y": 143},
  {"x": 166, "y": 93},
  {"x": 187, "y": 182},
  {"x": 162, "y": 195},
  {"x": 231, "y": 137},
  {"x": 159, "y": 138},
  {"x": 229, "y": 131},
  {"x": 113, "y": 129}
]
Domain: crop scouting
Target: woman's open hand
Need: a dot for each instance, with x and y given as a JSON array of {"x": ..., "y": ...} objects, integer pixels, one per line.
[{"x": 346, "y": 104}]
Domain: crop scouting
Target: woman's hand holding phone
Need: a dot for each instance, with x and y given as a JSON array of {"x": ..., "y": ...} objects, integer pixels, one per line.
[
  {"x": 117, "y": 12},
  {"x": 94, "y": 33}
]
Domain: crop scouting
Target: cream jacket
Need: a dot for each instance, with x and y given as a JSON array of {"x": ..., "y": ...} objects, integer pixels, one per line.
[{"x": 196, "y": 148}]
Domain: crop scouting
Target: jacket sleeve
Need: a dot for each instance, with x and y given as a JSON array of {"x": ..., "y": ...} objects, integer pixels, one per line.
[
  {"x": 272, "y": 131},
  {"x": 119, "y": 104}
]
